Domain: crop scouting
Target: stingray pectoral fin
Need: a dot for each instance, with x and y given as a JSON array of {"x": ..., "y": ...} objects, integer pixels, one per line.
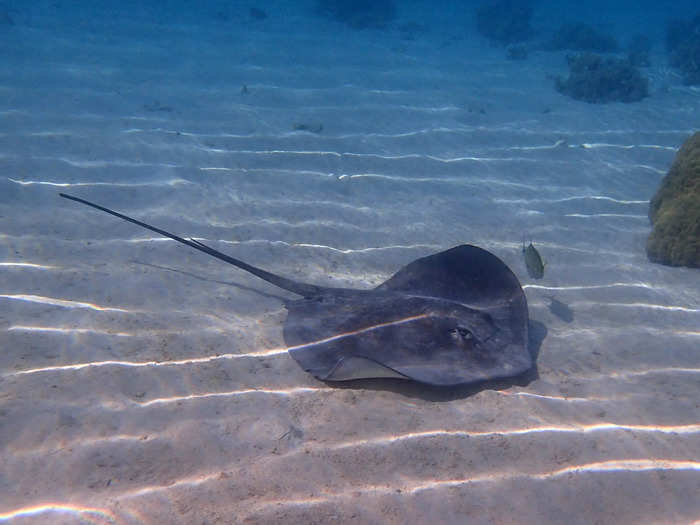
[{"x": 356, "y": 367}]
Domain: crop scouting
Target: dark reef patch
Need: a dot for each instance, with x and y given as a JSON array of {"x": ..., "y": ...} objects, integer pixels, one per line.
[
  {"x": 411, "y": 30},
  {"x": 359, "y": 14},
  {"x": 505, "y": 21},
  {"x": 638, "y": 51},
  {"x": 683, "y": 45},
  {"x": 596, "y": 79},
  {"x": 516, "y": 52},
  {"x": 581, "y": 37},
  {"x": 5, "y": 18},
  {"x": 257, "y": 14}
]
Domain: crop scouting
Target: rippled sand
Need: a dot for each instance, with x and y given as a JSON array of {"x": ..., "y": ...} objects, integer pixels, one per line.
[{"x": 143, "y": 382}]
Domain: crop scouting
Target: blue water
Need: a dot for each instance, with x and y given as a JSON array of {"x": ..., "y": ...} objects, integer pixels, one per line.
[{"x": 142, "y": 382}]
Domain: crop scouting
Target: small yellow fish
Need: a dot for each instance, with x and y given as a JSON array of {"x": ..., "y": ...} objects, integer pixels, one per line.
[{"x": 533, "y": 262}]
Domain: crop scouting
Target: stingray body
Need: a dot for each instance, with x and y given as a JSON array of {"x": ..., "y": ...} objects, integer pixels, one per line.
[{"x": 456, "y": 317}]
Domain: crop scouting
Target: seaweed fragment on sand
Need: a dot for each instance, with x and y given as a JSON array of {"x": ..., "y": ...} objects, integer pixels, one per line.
[{"x": 311, "y": 127}]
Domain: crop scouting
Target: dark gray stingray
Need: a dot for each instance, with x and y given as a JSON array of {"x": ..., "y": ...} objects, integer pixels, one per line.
[{"x": 455, "y": 317}]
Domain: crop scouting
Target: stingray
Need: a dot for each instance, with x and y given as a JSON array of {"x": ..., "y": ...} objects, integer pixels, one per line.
[{"x": 452, "y": 318}]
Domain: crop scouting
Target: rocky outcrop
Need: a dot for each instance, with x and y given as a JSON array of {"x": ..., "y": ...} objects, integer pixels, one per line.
[{"x": 675, "y": 211}]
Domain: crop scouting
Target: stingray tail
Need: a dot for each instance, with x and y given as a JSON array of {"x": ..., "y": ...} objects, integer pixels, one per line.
[{"x": 303, "y": 289}]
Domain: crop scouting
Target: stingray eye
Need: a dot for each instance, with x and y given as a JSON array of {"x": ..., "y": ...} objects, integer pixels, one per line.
[{"x": 461, "y": 333}]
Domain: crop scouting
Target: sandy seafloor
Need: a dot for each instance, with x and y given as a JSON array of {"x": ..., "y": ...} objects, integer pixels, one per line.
[{"x": 143, "y": 382}]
